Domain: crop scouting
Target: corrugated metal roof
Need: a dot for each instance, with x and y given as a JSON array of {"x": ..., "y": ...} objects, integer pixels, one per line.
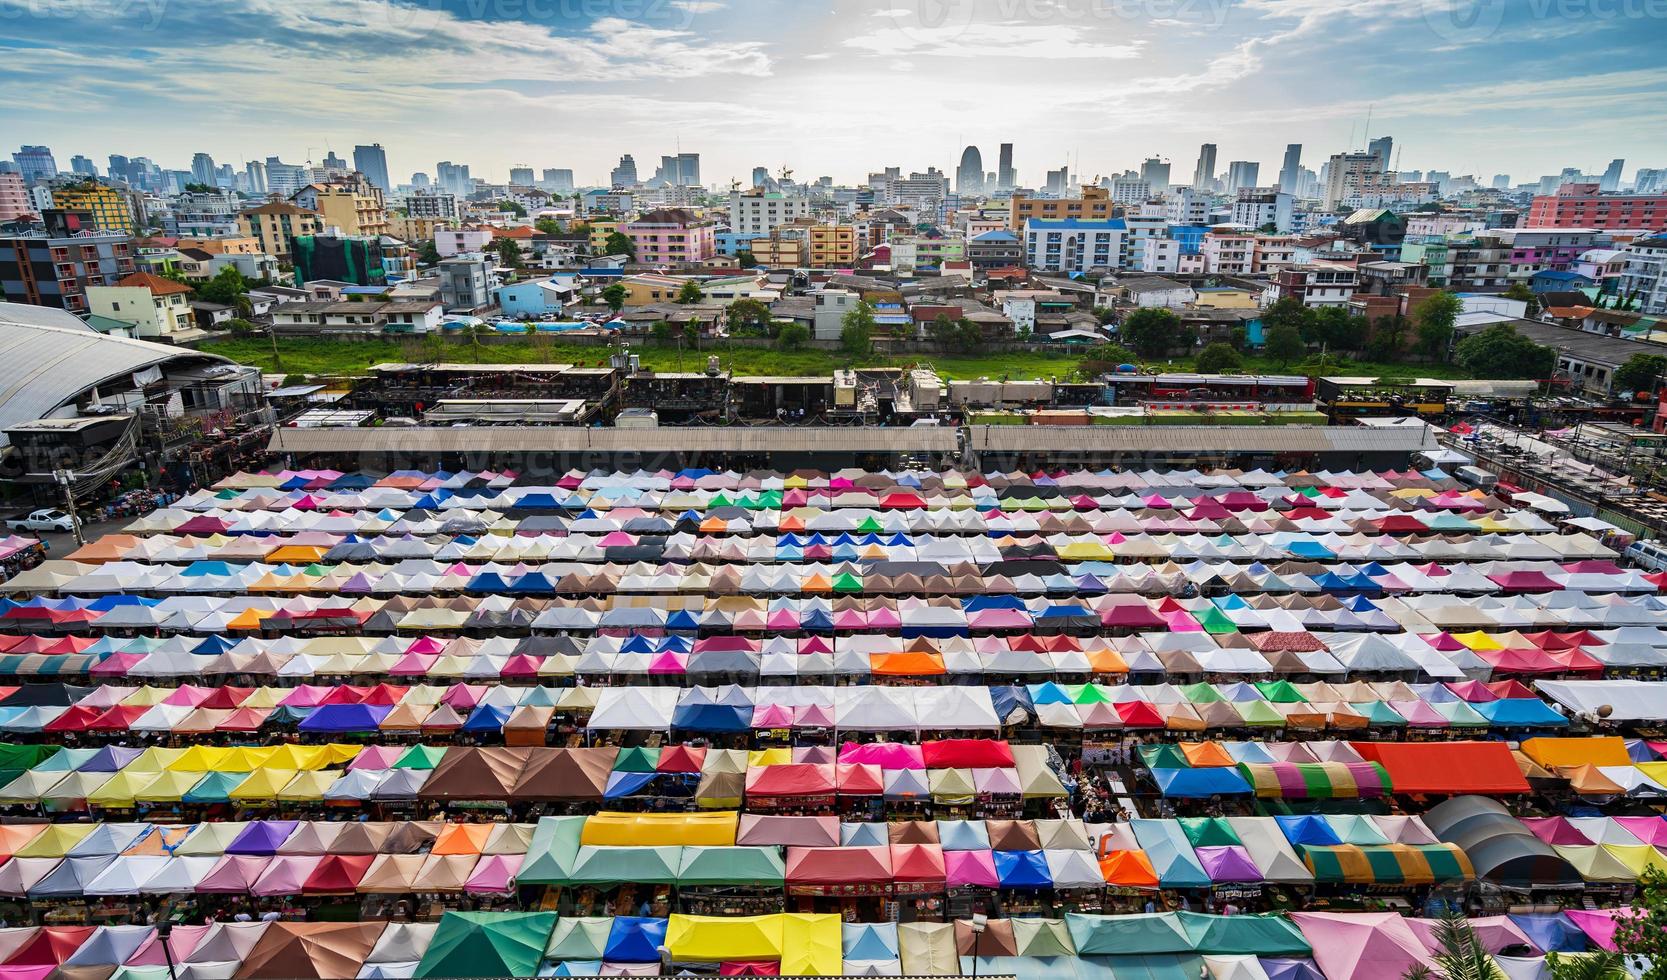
[
  {"x": 1197, "y": 439},
  {"x": 564, "y": 439},
  {"x": 42, "y": 367}
]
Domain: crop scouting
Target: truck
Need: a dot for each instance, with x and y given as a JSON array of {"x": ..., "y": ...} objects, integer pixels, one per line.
[{"x": 45, "y": 519}]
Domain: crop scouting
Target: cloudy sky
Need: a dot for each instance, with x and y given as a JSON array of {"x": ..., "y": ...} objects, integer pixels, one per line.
[{"x": 840, "y": 87}]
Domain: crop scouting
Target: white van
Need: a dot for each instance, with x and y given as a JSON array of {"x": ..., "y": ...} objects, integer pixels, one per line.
[{"x": 1475, "y": 476}]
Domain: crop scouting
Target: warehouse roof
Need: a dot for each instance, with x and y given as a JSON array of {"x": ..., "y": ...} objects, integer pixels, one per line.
[
  {"x": 1197, "y": 438},
  {"x": 562, "y": 439},
  {"x": 44, "y": 367}
]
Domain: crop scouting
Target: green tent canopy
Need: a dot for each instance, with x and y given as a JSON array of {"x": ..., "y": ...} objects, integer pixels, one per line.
[
  {"x": 487, "y": 944},
  {"x": 755, "y": 866}
]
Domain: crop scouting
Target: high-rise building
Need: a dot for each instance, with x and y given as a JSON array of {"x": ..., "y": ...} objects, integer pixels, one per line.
[
  {"x": 202, "y": 169},
  {"x": 372, "y": 161},
  {"x": 1242, "y": 173},
  {"x": 83, "y": 165},
  {"x": 624, "y": 175},
  {"x": 1611, "y": 180},
  {"x": 1382, "y": 148},
  {"x": 1205, "y": 173},
  {"x": 679, "y": 170},
  {"x": 558, "y": 181},
  {"x": 761, "y": 176},
  {"x": 118, "y": 167},
  {"x": 521, "y": 176},
  {"x": 333, "y": 162},
  {"x": 1346, "y": 172},
  {"x": 454, "y": 178},
  {"x": 969, "y": 176},
  {"x": 1650, "y": 180},
  {"x": 35, "y": 163},
  {"x": 1501, "y": 182},
  {"x": 14, "y": 198},
  {"x": 255, "y": 173},
  {"x": 1290, "y": 171},
  {"x": 419, "y": 180},
  {"x": 1006, "y": 177},
  {"x": 283, "y": 178},
  {"x": 1059, "y": 182},
  {"x": 1155, "y": 172}
]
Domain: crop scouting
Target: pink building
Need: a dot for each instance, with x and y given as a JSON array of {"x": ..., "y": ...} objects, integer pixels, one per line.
[
  {"x": 1583, "y": 206},
  {"x": 14, "y": 198},
  {"x": 669, "y": 236}
]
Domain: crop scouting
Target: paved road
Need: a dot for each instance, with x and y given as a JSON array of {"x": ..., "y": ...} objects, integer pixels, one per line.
[{"x": 59, "y": 544}]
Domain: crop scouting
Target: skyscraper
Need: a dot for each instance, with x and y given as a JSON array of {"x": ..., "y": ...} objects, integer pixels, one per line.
[
  {"x": 255, "y": 171},
  {"x": 624, "y": 175},
  {"x": 1242, "y": 173},
  {"x": 119, "y": 167},
  {"x": 82, "y": 165},
  {"x": 1155, "y": 171},
  {"x": 679, "y": 170},
  {"x": 35, "y": 163},
  {"x": 1611, "y": 180},
  {"x": 202, "y": 169},
  {"x": 1205, "y": 173},
  {"x": 969, "y": 176},
  {"x": 454, "y": 178},
  {"x": 558, "y": 181},
  {"x": 1381, "y": 148},
  {"x": 521, "y": 176},
  {"x": 333, "y": 162},
  {"x": 372, "y": 161},
  {"x": 1006, "y": 177},
  {"x": 283, "y": 178},
  {"x": 1290, "y": 171},
  {"x": 1501, "y": 182},
  {"x": 761, "y": 176},
  {"x": 1344, "y": 174}
]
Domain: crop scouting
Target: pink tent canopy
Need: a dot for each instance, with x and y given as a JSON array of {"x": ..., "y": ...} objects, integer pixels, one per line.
[
  {"x": 182, "y": 941},
  {"x": 494, "y": 875},
  {"x": 285, "y": 875},
  {"x": 1495, "y": 933},
  {"x": 235, "y": 873},
  {"x": 887, "y": 755},
  {"x": 963, "y": 868},
  {"x": 1598, "y": 924},
  {"x": 1362, "y": 946}
]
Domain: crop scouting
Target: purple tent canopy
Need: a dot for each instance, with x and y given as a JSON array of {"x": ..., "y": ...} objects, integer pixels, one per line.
[
  {"x": 262, "y": 837},
  {"x": 1228, "y": 863},
  {"x": 1281, "y": 968}
]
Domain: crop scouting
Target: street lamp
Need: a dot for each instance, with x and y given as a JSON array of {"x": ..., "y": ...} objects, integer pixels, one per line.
[
  {"x": 164, "y": 929},
  {"x": 977, "y": 924}
]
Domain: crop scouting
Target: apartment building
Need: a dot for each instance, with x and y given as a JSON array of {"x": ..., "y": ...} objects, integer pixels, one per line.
[
  {"x": 1095, "y": 204},
  {"x": 350, "y": 203},
  {"x": 1582, "y": 205},
  {"x": 277, "y": 224},
  {"x": 56, "y": 268},
  {"x": 108, "y": 207},
  {"x": 833, "y": 246},
  {"x": 672, "y": 236},
  {"x": 1073, "y": 244}
]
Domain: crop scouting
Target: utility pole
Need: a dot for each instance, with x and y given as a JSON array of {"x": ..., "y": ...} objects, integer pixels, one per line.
[{"x": 66, "y": 479}]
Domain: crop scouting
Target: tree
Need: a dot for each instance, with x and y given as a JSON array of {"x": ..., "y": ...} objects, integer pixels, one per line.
[
  {"x": 1642, "y": 936},
  {"x": 1640, "y": 373},
  {"x": 1436, "y": 317},
  {"x": 1501, "y": 352},
  {"x": 428, "y": 253},
  {"x": 943, "y": 332},
  {"x": 509, "y": 253},
  {"x": 690, "y": 293},
  {"x": 746, "y": 259},
  {"x": 1388, "y": 334},
  {"x": 1335, "y": 329},
  {"x": 793, "y": 336},
  {"x": 663, "y": 332},
  {"x": 1218, "y": 357},
  {"x": 614, "y": 295},
  {"x": 1290, "y": 312},
  {"x": 1153, "y": 332},
  {"x": 619, "y": 244},
  {"x": 512, "y": 208},
  {"x": 749, "y": 318},
  {"x": 239, "y": 327},
  {"x": 856, "y": 331},
  {"x": 1105, "y": 359},
  {"x": 1104, "y": 315},
  {"x": 1284, "y": 344},
  {"x": 1597, "y": 965},
  {"x": 1459, "y": 954},
  {"x": 547, "y": 226},
  {"x": 473, "y": 332}
]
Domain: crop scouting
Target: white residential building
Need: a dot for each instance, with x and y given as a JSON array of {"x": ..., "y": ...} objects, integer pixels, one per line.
[
  {"x": 440, "y": 207},
  {"x": 1189, "y": 207},
  {"x": 1645, "y": 278},
  {"x": 756, "y": 212},
  {"x": 1073, "y": 245},
  {"x": 461, "y": 241},
  {"x": 1256, "y": 207},
  {"x": 829, "y": 314}
]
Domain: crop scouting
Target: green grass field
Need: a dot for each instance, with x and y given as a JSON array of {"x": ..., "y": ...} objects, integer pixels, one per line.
[{"x": 337, "y": 358}]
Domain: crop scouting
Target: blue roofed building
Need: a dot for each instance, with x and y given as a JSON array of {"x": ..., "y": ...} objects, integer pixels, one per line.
[{"x": 535, "y": 298}]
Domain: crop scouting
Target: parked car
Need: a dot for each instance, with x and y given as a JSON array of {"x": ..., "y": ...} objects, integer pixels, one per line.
[{"x": 45, "y": 519}]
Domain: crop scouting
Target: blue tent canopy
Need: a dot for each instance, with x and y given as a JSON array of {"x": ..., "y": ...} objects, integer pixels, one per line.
[
  {"x": 1201, "y": 783},
  {"x": 1308, "y": 829},
  {"x": 634, "y": 939},
  {"x": 1552, "y": 933},
  {"x": 1022, "y": 869},
  {"x": 346, "y": 718}
]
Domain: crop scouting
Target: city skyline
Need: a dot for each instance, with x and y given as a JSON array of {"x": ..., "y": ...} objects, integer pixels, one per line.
[{"x": 1529, "y": 94}]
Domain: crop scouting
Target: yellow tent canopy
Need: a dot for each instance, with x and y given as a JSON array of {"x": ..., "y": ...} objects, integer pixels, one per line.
[
  {"x": 1597, "y": 751},
  {"x": 661, "y": 829},
  {"x": 711, "y": 938},
  {"x": 811, "y": 945}
]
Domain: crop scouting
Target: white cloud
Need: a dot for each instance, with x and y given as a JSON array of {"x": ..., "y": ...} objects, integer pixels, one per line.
[{"x": 985, "y": 41}]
